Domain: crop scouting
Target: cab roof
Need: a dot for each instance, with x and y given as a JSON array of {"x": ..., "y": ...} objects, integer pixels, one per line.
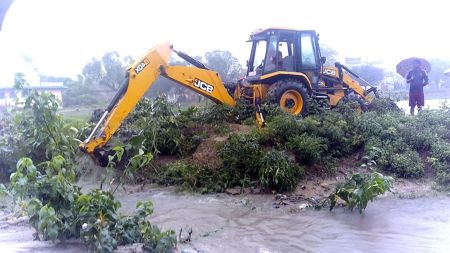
[
  {"x": 262, "y": 33},
  {"x": 278, "y": 28}
]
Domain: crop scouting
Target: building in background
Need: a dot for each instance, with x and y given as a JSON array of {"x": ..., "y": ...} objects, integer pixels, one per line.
[{"x": 11, "y": 97}]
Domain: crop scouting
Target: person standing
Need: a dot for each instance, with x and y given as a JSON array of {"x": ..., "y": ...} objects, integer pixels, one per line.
[{"x": 417, "y": 79}]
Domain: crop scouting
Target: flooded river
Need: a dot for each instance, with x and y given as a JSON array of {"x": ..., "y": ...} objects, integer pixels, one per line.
[{"x": 223, "y": 223}]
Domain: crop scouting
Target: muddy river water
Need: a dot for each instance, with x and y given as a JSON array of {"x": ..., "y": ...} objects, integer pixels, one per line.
[{"x": 223, "y": 223}]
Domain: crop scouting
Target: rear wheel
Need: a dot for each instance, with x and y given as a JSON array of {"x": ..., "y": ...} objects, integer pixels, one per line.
[{"x": 290, "y": 95}]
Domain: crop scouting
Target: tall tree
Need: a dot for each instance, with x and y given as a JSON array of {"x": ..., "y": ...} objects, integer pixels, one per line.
[
  {"x": 224, "y": 63},
  {"x": 108, "y": 72},
  {"x": 20, "y": 80}
]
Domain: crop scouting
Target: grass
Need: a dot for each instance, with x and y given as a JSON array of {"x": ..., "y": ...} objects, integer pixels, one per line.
[{"x": 78, "y": 113}]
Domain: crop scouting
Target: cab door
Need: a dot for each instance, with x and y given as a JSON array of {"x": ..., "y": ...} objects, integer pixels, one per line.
[{"x": 308, "y": 60}]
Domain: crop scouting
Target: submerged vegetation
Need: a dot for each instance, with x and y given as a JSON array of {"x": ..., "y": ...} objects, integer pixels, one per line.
[{"x": 360, "y": 189}]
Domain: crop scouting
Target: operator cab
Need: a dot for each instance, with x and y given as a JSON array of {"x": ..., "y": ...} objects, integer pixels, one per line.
[{"x": 275, "y": 50}]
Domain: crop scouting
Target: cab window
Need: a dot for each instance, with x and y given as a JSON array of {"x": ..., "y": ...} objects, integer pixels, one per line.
[
  {"x": 273, "y": 57},
  {"x": 257, "y": 66},
  {"x": 308, "y": 51},
  {"x": 286, "y": 50}
]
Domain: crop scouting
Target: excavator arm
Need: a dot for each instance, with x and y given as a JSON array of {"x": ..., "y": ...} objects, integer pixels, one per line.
[{"x": 140, "y": 77}]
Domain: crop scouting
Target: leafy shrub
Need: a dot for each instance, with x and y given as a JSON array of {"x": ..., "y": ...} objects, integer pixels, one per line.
[
  {"x": 407, "y": 164},
  {"x": 440, "y": 161},
  {"x": 396, "y": 157},
  {"x": 338, "y": 131},
  {"x": 103, "y": 228},
  {"x": 317, "y": 106},
  {"x": 142, "y": 109},
  {"x": 52, "y": 195},
  {"x": 42, "y": 129},
  {"x": 217, "y": 114},
  {"x": 284, "y": 127},
  {"x": 9, "y": 145},
  {"x": 278, "y": 173},
  {"x": 271, "y": 111},
  {"x": 419, "y": 136},
  {"x": 394, "y": 140},
  {"x": 166, "y": 129},
  {"x": 360, "y": 189},
  {"x": 37, "y": 131},
  {"x": 58, "y": 210},
  {"x": 97, "y": 214},
  {"x": 384, "y": 105},
  {"x": 157, "y": 122},
  {"x": 241, "y": 157},
  {"x": 243, "y": 111},
  {"x": 192, "y": 177},
  {"x": 308, "y": 149}
]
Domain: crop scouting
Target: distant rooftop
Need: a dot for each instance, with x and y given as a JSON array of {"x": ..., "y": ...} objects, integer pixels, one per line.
[
  {"x": 51, "y": 84},
  {"x": 41, "y": 86}
]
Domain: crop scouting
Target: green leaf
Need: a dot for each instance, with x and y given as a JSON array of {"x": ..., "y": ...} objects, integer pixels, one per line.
[{"x": 52, "y": 233}]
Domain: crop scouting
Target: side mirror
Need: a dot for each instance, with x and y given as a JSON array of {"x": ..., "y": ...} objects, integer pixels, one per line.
[
  {"x": 246, "y": 63},
  {"x": 323, "y": 59}
]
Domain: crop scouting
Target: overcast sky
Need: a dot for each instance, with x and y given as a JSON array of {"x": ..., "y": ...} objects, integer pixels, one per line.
[{"x": 61, "y": 36}]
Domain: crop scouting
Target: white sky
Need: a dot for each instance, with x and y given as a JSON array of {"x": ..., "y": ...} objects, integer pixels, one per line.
[{"x": 61, "y": 36}]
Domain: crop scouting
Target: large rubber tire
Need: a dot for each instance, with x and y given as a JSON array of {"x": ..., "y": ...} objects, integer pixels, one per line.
[{"x": 291, "y": 95}]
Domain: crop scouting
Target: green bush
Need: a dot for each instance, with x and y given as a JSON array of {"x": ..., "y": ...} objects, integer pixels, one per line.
[
  {"x": 192, "y": 177},
  {"x": 336, "y": 129},
  {"x": 58, "y": 210},
  {"x": 396, "y": 157},
  {"x": 284, "y": 127},
  {"x": 157, "y": 122},
  {"x": 241, "y": 158},
  {"x": 407, "y": 165},
  {"x": 384, "y": 105},
  {"x": 308, "y": 149},
  {"x": 394, "y": 140},
  {"x": 41, "y": 130},
  {"x": 278, "y": 173},
  {"x": 360, "y": 189},
  {"x": 52, "y": 192},
  {"x": 167, "y": 129},
  {"x": 440, "y": 161},
  {"x": 216, "y": 114},
  {"x": 97, "y": 215}
]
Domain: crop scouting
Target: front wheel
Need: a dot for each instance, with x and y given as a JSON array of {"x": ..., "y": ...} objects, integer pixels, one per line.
[{"x": 291, "y": 96}]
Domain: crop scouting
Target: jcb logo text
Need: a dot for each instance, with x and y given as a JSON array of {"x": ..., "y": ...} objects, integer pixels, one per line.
[
  {"x": 204, "y": 86},
  {"x": 138, "y": 69}
]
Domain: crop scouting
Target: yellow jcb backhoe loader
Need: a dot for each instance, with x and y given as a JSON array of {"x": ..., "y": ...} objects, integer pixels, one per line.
[{"x": 285, "y": 67}]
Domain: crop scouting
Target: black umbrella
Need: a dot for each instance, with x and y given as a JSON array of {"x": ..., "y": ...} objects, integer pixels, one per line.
[
  {"x": 4, "y": 6},
  {"x": 407, "y": 65}
]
